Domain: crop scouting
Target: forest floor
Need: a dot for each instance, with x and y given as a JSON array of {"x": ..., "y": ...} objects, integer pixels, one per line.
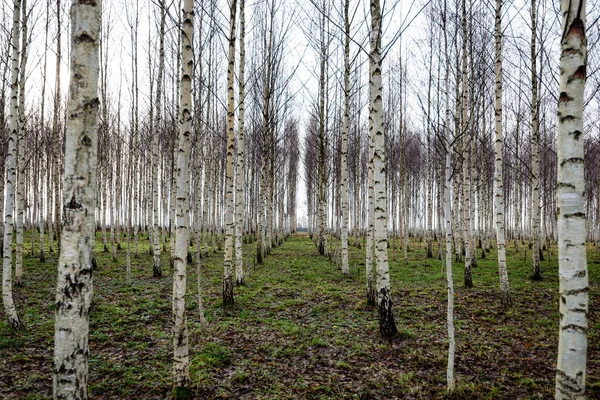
[{"x": 301, "y": 330}]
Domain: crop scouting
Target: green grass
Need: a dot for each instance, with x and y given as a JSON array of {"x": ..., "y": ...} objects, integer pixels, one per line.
[{"x": 300, "y": 329}]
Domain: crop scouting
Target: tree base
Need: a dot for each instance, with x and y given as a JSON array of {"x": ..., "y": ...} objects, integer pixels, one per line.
[
  {"x": 537, "y": 276},
  {"x": 505, "y": 299},
  {"x": 157, "y": 272},
  {"x": 16, "y": 324},
  {"x": 228, "y": 292},
  {"x": 468, "y": 278},
  {"x": 182, "y": 393},
  {"x": 387, "y": 325},
  {"x": 371, "y": 298}
]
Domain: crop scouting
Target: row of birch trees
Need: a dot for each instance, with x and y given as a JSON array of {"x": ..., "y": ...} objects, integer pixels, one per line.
[
  {"x": 148, "y": 156},
  {"x": 511, "y": 173},
  {"x": 455, "y": 153}
]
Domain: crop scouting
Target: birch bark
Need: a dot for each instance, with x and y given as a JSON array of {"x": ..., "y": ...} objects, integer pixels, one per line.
[
  {"x": 181, "y": 361},
  {"x": 74, "y": 284},
  {"x": 387, "y": 326},
  {"x": 239, "y": 192},
  {"x": 229, "y": 210},
  {"x": 21, "y": 158},
  {"x": 157, "y": 271},
  {"x": 535, "y": 152},
  {"x": 345, "y": 129},
  {"x": 450, "y": 381},
  {"x": 498, "y": 168},
  {"x": 11, "y": 165},
  {"x": 572, "y": 261}
]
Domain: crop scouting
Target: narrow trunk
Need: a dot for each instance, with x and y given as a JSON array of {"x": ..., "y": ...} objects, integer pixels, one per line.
[
  {"x": 345, "y": 129},
  {"x": 466, "y": 187},
  {"x": 535, "y": 153},
  {"x": 229, "y": 208},
  {"x": 498, "y": 174},
  {"x": 450, "y": 381},
  {"x": 157, "y": 270},
  {"x": 387, "y": 326},
  {"x": 22, "y": 161},
  {"x": 11, "y": 165},
  {"x": 239, "y": 191},
  {"x": 181, "y": 360}
]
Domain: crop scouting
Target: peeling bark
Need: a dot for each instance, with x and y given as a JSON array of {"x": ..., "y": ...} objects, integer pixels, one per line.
[
  {"x": 11, "y": 165},
  {"x": 181, "y": 360},
  {"x": 570, "y": 202},
  {"x": 74, "y": 287}
]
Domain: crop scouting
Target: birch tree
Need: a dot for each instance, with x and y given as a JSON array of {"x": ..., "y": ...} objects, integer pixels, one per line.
[
  {"x": 450, "y": 381},
  {"x": 55, "y": 132},
  {"x": 11, "y": 165},
  {"x": 229, "y": 211},
  {"x": 181, "y": 359},
  {"x": 74, "y": 283},
  {"x": 157, "y": 271},
  {"x": 535, "y": 152},
  {"x": 387, "y": 326},
  {"x": 498, "y": 174},
  {"x": 21, "y": 148},
  {"x": 239, "y": 192},
  {"x": 571, "y": 210},
  {"x": 466, "y": 186},
  {"x": 345, "y": 130}
]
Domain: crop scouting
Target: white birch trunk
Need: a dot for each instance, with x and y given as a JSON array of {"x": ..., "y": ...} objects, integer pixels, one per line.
[
  {"x": 535, "y": 152},
  {"x": 230, "y": 206},
  {"x": 450, "y": 380},
  {"x": 572, "y": 262},
  {"x": 21, "y": 163},
  {"x": 157, "y": 271},
  {"x": 181, "y": 360},
  {"x": 74, "y": 284},
  {"x": 498, "y": 174},
  {"x": 239, "y": 192},
  {"x": 387, "y": 326},
  {"x": 11, "y": 164},
  {"x": 345, "y": 130},
  {"x": 466, "y": 187}
]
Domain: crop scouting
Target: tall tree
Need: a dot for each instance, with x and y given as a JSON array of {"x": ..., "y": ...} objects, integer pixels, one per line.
[
  {"x": 157, "y": 271},
  {"x": 345, "y": 130},
  {"x": 239, "y": 192},
  {"x": 387, "y": 326},
  {"x": 466, "y": 186},
  {"x": 570, "y": 202},
  {"x": 230, "y": 205},
  {"x": 181, "y": 358},
  {"x": 74, "y": 283},
  {"x": 450, "y": 381},
  {"x": 21, "y": 148},
  {"x": 535, "y": 152},
  {"x": 56, "y": 140},
  {"x": 11, "y": 166},
  {"x": 498, "y": 151}
]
